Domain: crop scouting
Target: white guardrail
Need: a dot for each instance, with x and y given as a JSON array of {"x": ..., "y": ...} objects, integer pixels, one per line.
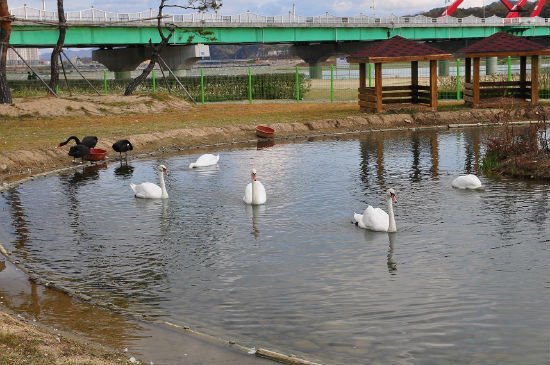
[{"x": 93, "y": 15}]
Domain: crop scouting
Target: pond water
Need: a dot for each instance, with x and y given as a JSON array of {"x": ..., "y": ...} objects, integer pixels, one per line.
[{"x": 464, "y": 279}]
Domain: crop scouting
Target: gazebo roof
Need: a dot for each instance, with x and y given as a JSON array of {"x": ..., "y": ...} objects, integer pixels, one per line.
[
  {"x": 398, "y": 49},
  {"x": 504, "y": 44}
]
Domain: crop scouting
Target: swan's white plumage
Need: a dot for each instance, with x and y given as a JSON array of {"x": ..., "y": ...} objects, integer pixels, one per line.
[
  {"x": 254, "y": 193},
  {"x": 260, "y": 193},
  {"x": 376, "y": 219},
  {"x": 148, "y": 190},
  {"x": 467, "y": 182},
  {"x": 205, "y": 160}
]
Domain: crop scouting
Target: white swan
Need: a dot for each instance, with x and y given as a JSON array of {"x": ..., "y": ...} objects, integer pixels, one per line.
[
  {"x": 205, "y": 160},
  {"x": 376, "y": 219},
  {"x": 255, "y": 192},
  {"x": 467, "y": 182},
  {"x": 148, "y": 190}
]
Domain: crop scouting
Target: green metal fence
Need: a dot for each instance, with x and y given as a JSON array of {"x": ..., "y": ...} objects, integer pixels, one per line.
[{"x": 278, "y": 81}]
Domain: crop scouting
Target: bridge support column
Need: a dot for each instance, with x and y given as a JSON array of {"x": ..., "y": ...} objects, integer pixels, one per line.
[
  {"x": 124, "y": 60},
  {"x": 491, "y": 65},
  {"x": 123, "y": 75},
  {"x": 182, "y": 58},
  {"x": 315, "y": 54},
  {"x": 121, "y": 61},
  {"x": 442, "y": 68}
]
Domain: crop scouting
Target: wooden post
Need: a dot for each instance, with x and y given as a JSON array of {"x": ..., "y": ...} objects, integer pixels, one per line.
[
  {"x": 468, "y": 70},
  {"x": 362, "y": 75},
  {"x": 534, "y": 80},
  {"x": 433, "y": 84},
  {"x": 475, "y": 86},
  {"x": 378, "y": 85},
  {"x": 522, "y": 76},
  {"x": 414, "y": 82}
]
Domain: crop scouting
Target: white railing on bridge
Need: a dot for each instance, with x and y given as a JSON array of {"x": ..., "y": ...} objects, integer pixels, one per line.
[{"x": 97, "y": 16}]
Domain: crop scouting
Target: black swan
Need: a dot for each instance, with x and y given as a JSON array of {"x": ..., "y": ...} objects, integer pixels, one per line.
[
  {"x": 79, "y": 151},
  {"x": 88, "y": 141},
  {"x": 123, "y": 146}
]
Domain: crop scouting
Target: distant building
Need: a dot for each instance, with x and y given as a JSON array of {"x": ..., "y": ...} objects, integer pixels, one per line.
[{"x": 31, "y": 56}]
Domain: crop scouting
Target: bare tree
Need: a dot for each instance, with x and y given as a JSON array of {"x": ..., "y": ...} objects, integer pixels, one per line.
[
  {"x": 54, "y": 63},
  {"x": 5, "y": 31},
  {"x": 200, "y": 5}
]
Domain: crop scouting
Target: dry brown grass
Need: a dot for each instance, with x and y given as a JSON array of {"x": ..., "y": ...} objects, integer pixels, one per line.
[{"x": 30, "y": 132}]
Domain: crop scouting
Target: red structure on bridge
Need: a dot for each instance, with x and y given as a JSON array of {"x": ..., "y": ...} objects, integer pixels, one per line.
[{"x": 513, "y": 10}]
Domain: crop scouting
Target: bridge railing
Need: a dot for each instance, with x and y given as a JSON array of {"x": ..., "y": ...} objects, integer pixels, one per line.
[{"x": 93, "y": 15}]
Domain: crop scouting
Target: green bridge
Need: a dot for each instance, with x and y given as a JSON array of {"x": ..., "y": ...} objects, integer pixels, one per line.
[
  {"x": 109, "y": 35},
  {"x": 122, "y": 39}
]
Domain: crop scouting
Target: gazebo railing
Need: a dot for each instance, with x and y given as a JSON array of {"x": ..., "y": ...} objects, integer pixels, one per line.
[
  {"x": 397, "y": 94},
  {"x": 490, "y": 90}
]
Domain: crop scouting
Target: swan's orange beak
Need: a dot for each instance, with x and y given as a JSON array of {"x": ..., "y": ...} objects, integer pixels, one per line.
[
  {"x": 59, "y": 145},
  {"x": 254, "y": 177},
  {"x": 394, "y": 198},
  {"x": 165, "y": 171}
]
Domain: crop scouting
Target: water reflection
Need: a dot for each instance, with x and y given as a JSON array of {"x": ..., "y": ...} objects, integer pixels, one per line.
[
  {"x": 372, "y": 146},
  {"x": 472, "y": 149},
  {"x": 254, "y": 211},
  {"x": 261, "y": 144},
  {"x": 19, "y": 220},
  {"x": 52, "y": 307},
  {"x": 415, "y": 150},
  {"x": 88, "y": 173},
  {"x": 434, "y": 152},
  {"x": 392, "y": 265},
  {"x": 124, "y": 171}
]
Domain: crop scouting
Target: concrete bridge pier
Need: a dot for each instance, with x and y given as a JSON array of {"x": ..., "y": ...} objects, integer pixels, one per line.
[
  {"x": 316, "y": 53},
  {"x": 182, "y": 58},
  {"x": 491, "y": 65},
  {"x": 122, "y": 61},
  {"x": 442, "y": 68}
]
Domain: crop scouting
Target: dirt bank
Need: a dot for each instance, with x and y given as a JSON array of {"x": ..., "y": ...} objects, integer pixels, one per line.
[
  {"x": 24, "y": 343},
  {"x": 21, "y": 163}
]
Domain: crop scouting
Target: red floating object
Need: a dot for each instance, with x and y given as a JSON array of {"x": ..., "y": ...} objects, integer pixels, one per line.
[
  {"x": 264, "y": 132},
  {"x": 96, "y": 154}
]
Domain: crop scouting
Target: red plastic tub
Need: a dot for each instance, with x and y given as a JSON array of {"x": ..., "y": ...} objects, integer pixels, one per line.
[
  {"x": 96, "y": 154},
  {"x": 264, "y": 132}
]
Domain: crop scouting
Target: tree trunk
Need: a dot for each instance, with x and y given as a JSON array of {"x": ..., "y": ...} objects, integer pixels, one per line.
[
  {"x": 154, "y": 59},
  {"x": 56, "y": 53},
  {"x": 5, "y": 31}
]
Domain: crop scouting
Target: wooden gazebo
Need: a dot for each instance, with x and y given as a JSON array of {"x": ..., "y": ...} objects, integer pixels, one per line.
[
  {"x": 397, "y": 49},
  {"x": 491, "y": 93}
]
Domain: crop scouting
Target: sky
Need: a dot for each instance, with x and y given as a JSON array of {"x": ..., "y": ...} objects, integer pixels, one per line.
[{"x": 378, "y": 8}]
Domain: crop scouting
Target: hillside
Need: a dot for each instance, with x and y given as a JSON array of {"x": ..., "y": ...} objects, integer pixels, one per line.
[{"x": 495, "y": 8}]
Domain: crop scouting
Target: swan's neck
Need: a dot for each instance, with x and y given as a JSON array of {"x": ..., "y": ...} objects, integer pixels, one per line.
[
  {"x": 162, "y": 186},
  {"x": 391, "y": 227},
  {"x": 254, "y": 192}
]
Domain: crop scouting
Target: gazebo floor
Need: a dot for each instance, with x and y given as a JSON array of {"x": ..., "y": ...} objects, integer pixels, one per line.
[{"x": 502, "y": 101}]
